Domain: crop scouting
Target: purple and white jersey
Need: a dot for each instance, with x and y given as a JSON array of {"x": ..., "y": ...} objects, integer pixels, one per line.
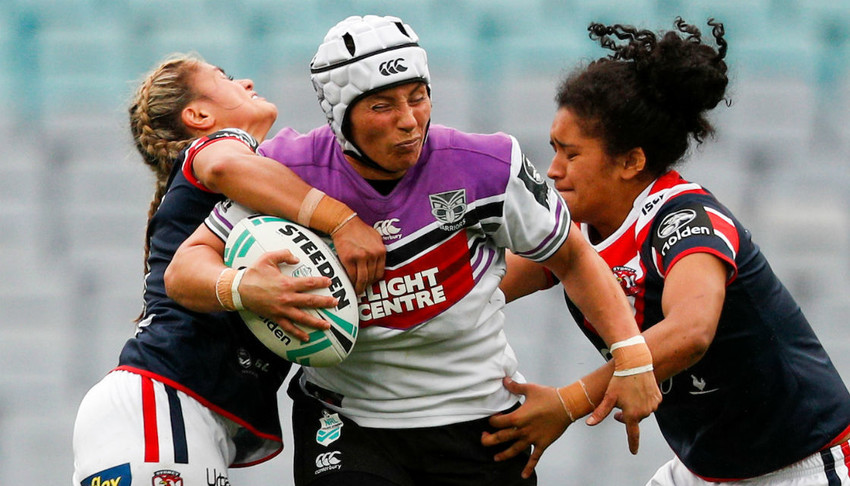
[{"x": 431, "y": 349}]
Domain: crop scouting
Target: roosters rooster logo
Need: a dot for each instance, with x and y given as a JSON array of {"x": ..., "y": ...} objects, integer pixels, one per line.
[{"x": 628, "y": 279}]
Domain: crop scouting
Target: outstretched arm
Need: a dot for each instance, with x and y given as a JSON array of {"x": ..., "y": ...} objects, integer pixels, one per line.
[
  {"x": 594, "y": 289},
  {"x": 693, "y": 297},
  {"x": 266, "y": 186}
]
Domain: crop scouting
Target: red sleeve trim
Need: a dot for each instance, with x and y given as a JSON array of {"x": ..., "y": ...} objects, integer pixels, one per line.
[
  {"x": 194, "y": 150},
  {"x": 733, "y": 274}
]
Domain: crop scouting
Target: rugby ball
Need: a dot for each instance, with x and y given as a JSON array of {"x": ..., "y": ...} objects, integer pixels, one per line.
[{"x": 255, "y": 235}]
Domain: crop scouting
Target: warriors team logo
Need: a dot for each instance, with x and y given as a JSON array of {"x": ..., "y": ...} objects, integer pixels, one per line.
[
  {"x": 628, "y": 279},
  {"x": 166, "y": 477},
  {"x": 330, "y": 428},
  {"x": 449, "y": 208}
]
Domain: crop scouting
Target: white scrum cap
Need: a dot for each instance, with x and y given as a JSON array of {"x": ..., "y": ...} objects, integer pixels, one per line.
[{"x": 360, "y": 55}]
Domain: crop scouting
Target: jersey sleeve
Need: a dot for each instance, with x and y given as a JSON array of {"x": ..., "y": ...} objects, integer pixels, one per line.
[
  {"x": 536, "y": 219},
  {"x": 203, "y": 142},
  {"x": 692, "y": 226},
  {"x": 224, "y": 217}
]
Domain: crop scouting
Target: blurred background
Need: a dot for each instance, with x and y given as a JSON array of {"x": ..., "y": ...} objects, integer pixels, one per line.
[{"x": 74, "y": 194}]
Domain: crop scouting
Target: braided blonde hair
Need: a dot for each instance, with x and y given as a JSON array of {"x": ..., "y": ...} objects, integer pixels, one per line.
[{"x": 155, "y": 122}]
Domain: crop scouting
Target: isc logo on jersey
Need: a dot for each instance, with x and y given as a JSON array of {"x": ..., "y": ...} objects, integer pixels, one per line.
[{"x": 256, "y": 235}]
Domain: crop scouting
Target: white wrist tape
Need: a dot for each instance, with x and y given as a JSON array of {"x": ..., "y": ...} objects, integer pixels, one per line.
[
  {"x": 634, "y": 371},
  {"x": 634, "y": 359},
  {"x": 628, "y": 342},
  {"x": 234, "y": 290}
]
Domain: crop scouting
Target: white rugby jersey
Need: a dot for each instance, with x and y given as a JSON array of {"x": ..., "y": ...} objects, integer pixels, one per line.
[{"x": 431, "y": 348}]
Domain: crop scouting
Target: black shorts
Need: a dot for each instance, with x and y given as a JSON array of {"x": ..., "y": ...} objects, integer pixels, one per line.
[{"x": 332, "y": 449}]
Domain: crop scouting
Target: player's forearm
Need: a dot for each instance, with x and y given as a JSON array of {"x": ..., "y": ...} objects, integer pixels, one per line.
[
  {"x": 677, "y": 344},
  {"x": 672, "y": 353},
  {"x": 190, "y": 278},
  {"x": 269, "y": 187},
  {"x": 593, "y": 288},
  {"x": 256, "y": 182},
  {"x": 523, "y": 277}
]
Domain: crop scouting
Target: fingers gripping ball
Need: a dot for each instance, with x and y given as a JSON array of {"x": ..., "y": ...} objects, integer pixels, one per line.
[{"x": 256, "y": 235}]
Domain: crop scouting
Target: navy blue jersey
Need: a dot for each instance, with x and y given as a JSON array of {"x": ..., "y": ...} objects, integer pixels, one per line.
[
  {"x": 765, "y": 394},
  {"x": 212, "y": 357}
]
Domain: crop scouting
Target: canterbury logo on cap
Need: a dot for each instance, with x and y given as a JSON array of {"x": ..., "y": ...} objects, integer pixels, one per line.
[{"x": 394, "y": 66}]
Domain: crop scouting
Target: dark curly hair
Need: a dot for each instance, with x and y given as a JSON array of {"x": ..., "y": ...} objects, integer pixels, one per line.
[{"x": 651, "y": 92}]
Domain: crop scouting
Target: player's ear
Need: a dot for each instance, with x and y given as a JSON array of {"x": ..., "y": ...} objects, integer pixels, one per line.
[
  {"x": 197, "y": 118},
  {"x": 633, "y": 162}
]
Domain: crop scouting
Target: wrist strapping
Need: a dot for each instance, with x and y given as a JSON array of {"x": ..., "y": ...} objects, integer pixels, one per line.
[
  {"x": 575, "y": 400},
  {"x": 330, "y": 215},
  {"x": 308, "y": 206},
  {"x": 223, "y": 288},
  {"x": 227, "y": 289},
  {"x": 631, "y": 356},
  {"x": 234, "y": 290}
]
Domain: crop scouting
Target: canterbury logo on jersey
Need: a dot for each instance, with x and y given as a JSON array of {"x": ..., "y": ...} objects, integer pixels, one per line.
[
  {"x": 421, "y": 289},
  {"x": 387, "y": 229},
  {"x": 394, "y": 66}
]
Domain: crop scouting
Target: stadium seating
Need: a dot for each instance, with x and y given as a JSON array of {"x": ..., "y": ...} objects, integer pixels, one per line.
[{"x": 74, "y": 194}]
